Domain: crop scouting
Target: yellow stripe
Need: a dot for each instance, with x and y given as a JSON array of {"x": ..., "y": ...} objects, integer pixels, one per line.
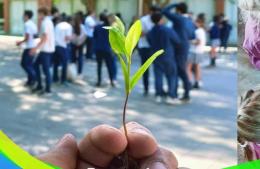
[{"x": 19, "y": 156}]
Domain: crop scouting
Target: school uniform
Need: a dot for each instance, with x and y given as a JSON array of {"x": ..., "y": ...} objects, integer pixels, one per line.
[
  {"x": 30, "y": 29},
  {"x": 185, "y": 30},
  {"x": 144, "y": 48},
  {"x": 90, "y": 24},
  {"x": 61, "y": 55},
  {"x": 225, "y": 33},
  {"x": 45, "y": 55},
  {"x": 214, "y": 34},
  {"x": 103, "y": 52},
  {"x": 197, "y": 51},
  {"x": 77, "y": 48},
  {"x": 162, "y": 37}
]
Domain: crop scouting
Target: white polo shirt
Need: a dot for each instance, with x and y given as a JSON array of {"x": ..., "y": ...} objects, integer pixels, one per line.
[
  {"x": 90, "y": 24},
  {"x": 147, "y": 25},
  {"x": 47, "y": 28},
  {"x": 200, "y": 34},
  {"x": 62, "y": 30},
  {"x": 31, "y": 29}
]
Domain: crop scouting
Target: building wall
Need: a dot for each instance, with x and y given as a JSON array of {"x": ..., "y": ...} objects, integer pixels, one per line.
[
  {"x": 70, "y": 6},
  {"x": 232, "y": 14},
  {"x": 16, "y": 18},
  {"x": 128, "y": 9}
]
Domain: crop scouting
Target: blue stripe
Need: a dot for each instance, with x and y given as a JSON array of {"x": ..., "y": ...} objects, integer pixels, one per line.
[{"x": 5, "y": 163}]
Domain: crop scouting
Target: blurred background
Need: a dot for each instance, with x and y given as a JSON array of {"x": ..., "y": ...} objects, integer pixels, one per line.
[{"x": 12, "y": 10}]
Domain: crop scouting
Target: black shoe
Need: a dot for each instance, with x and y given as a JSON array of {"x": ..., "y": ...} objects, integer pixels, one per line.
[
  {"x": 37, "y": 90},
  {"x": 146, "y": 93},
  {"x": 196, "y": 85},
  {"x": 45, "y": 93},
  {"x": 98, "y": 84},
  {"x": 185, "y": 99}
]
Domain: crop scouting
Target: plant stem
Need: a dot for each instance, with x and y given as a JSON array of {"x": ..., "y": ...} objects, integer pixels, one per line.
[{"x": 124, "y": 115}]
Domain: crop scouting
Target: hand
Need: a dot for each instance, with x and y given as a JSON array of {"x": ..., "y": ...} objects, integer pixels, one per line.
[
  {"x": 18, "y": 43},
  {"x": 103, "y": 143},
  {"x": 33, "y": 51}
]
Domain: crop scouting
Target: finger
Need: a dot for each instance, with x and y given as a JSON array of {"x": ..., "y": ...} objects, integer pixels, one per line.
[
  {"x": 161, "y": 159},
  {"x": 64, "y": 154},
  {"x": 141, "y": 142},
  {"x": 101, "y": 145}
]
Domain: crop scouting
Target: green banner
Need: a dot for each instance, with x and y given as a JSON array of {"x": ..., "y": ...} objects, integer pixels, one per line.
[{"x": 249, "y": 165}]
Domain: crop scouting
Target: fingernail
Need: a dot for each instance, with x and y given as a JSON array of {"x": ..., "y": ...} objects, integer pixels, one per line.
[
  {"x": 64, "y": 139},
  {"x": 140, "y": 131},
  {"x": 158, "y": 165}
]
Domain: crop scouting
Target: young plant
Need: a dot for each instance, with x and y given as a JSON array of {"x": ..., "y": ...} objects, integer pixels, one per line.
[{"x": 124, "y": 45}]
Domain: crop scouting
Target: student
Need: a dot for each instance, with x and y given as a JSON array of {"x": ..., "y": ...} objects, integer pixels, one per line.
[
  {"x": 162, "y": 37},
  {"x": 197, "y": 51},
  {"x": 112, "y": 20},
  {"x": 63, "y": 35},
  {"x": 103, "y": 50},
  {"x": 47, "y": 48},
  {"x": 78, "y": 39},
  {"x": 185, "y": 29},
  {"x": 214, "y": 34},
  {"x": 144, "y": 49},
  {"x": 90, "y": 23},
  {"x": 248, "y": 120},
  {"x": 30, "y": 30},
  {"x": 225, "y": 33}
]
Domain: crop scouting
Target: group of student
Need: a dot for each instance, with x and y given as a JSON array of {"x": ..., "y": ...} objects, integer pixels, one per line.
[
  {"x": 184, "y": 45},
  {"x": 63, "y": 40}
]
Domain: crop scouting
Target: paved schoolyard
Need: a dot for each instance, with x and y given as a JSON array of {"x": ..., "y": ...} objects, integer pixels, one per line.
[{"x": 201, "y": 134}]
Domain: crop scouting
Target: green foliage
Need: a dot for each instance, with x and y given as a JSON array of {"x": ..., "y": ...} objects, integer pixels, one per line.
[{"x": 124, "y": 45}]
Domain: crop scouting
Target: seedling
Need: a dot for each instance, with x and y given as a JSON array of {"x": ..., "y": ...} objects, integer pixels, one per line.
[{"x": 124, "y": 45}]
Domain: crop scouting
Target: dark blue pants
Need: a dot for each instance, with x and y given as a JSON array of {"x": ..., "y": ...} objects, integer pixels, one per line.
[
  {"x": 77, "y": 57},
  {"x": 90, "y": 48},
  {"x": 181, "y": 60},
  {"x": 169, "y": 70},
  {"x": 60, "y": 59},
  {"x": 27, "y": 65},
  {"x": 108, "y": 58},
  {"x": 145, "y": 54},
  {"x": 43, "y": 59},
  {"x": 114, "y": 67}
]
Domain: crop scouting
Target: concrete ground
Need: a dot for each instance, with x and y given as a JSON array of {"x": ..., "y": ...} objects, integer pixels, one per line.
[{"x": 202, "y": 134}]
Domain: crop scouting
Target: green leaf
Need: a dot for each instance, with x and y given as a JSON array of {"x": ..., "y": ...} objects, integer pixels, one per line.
[
  {"x": 132, "y": 38},
  {"x": 117, "y": 41},
  {"x": 125, "y": 73},
  {"x": 120, "y": 25},
  {"x": 143, "y": 68}
]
